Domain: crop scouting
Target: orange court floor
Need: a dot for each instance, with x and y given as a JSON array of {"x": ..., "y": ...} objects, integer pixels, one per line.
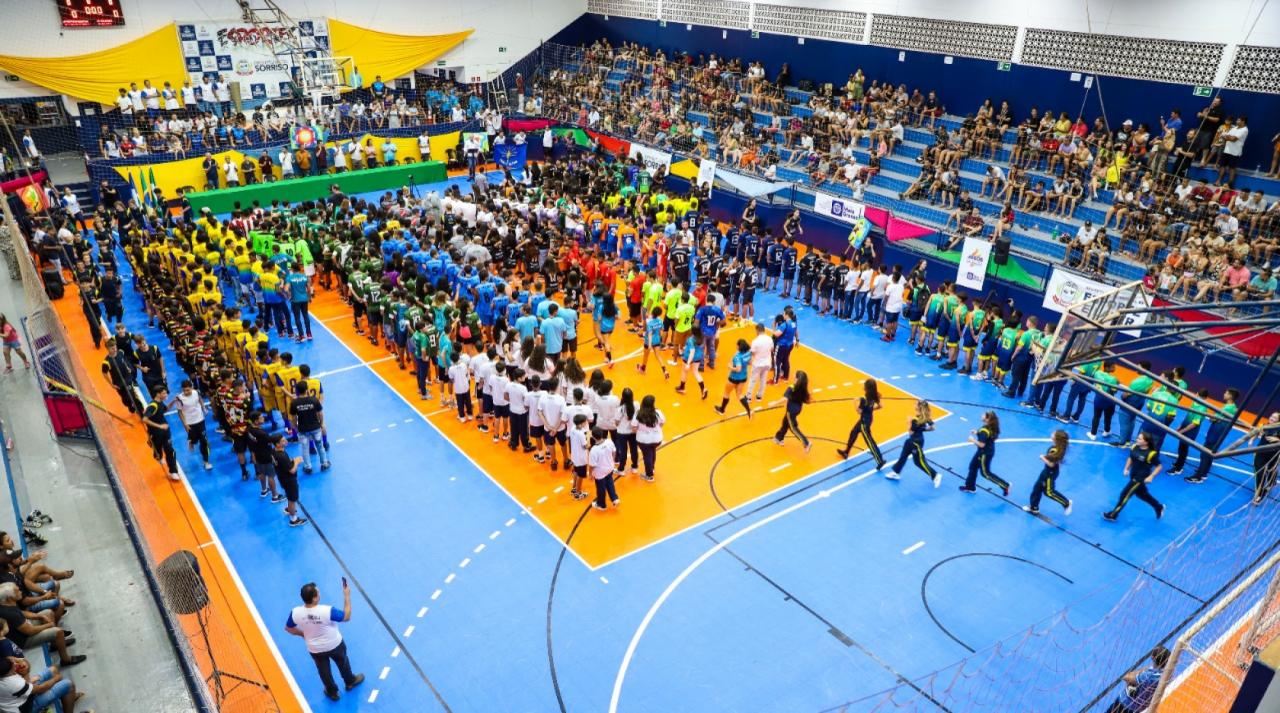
[
  {"x": 707, "y": 463},
  {"x": 170, "y": 519}
]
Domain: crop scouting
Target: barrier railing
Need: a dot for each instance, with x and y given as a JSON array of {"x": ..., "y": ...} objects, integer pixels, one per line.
[{"x": 220, "y": 673}]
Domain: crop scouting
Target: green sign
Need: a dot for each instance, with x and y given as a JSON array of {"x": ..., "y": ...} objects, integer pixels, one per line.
[
  {"x": 1202, "y": 91},
  {"x": 662, "y": 23},
  {"x": 502, "y": 49},
  {"x": 1004, "y": 66},
  {"x": 440, "y": 63},
  {"x": 755, "y": 34}
]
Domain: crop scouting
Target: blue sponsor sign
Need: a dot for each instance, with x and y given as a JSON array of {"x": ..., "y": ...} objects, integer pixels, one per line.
[
  {"x": 224, "y": 63},
  {"x": 193, "y": 65},
  {"x": 187, "y": 33},
  {"x": 306, "y": 28},
  {"x": 206, "y": 48},
  {"x": 258, "y": 91}
]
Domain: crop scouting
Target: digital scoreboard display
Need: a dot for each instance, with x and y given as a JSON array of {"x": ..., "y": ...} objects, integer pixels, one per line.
[{"x": 90, "y": 13}]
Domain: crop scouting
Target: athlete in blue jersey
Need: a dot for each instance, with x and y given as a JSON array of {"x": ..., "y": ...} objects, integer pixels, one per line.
[
  {"x": 692, "y": 357},
  {"x": 653, "y": 342},
  {"x": 737, "y": 383}
]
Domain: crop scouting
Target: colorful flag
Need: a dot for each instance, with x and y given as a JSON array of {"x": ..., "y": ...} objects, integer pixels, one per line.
[
  {"x": 133, "y": 189},
  {"x": 151, "y": 171},
  {"x": 33, "y": 197}
]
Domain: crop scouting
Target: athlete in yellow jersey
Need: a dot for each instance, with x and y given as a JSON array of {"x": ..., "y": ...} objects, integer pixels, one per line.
[{"x": 287, "y": 377}]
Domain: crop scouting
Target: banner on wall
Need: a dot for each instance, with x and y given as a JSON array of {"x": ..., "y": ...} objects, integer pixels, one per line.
[
  {"x": 243, "y": 53},
  {"x": 844, "y": 209},
  {"x": 707, "y": 174},
  {"x": 1066, "y": 288},
  {"x": 652, "y": 158},
  {"x": 974, "y": 257}
]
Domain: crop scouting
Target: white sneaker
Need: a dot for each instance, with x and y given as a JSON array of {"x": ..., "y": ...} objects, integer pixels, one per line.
[
  {"x": 208, "y": 466},
  {"x": 174, "y": 477},
  {"x": 1091, "y": 436},
  {"x": 892, "y": 476},
  {"x": 937, "y": 480},
  {"x": 1067, "y": 511}
]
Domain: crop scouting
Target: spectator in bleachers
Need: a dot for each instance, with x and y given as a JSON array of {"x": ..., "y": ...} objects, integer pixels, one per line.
[{"x": 29, "y": 630}]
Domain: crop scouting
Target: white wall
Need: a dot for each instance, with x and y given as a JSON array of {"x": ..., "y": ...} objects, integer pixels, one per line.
[
  {"x": 1226, "y": 21},
  {"x": 31, "y": 27}
]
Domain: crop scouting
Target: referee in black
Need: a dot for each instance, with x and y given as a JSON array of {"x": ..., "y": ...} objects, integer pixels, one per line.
[
  {"x": 1142, "y": 467},
  {"x": 123, "y": 374},
  {"x": 158, "y": 430}
]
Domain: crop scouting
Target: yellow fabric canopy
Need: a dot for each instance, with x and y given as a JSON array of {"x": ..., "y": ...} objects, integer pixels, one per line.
[
  {"x": 98, "y": 76},
  {"x": 385, "y": 54}
]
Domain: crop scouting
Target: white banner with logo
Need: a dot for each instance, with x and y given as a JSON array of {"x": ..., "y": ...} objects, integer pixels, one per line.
[
  {"x": 242, "y": 53},
  {"x": 707, "y": 174},
  {"x": 653, "y": 158},
  {"x": 1067, "y": 288},
  {"x": 845, "y": 209},
  {"x": 972, "y": 271}
]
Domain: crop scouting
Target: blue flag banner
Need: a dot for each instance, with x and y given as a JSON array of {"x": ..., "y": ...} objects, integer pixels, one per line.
[{"x": 510, "y": 156}]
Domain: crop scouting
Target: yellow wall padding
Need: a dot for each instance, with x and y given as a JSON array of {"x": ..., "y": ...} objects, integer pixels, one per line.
[
  {"x": 98, "y": 76},
  {"x": 388, "y": 55},
  {"x": 172, "y": 175}
]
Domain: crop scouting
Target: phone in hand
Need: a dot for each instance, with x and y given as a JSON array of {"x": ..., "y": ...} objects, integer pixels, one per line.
[{"x": 344, "y": 582}]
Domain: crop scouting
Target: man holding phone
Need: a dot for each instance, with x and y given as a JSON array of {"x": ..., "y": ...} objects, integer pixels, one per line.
[{"x": 318, "y": 624}]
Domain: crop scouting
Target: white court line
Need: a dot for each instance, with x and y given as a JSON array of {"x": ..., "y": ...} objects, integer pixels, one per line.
[
  {"x": 395, "y": 652},
  {"x": 464, "y": 454},
  {"x": 383, "y": 675},
  {"x": 479, "y": 548},
  {"x": 331, "y": 372},
  {"x": 784, "y": 466},
  {"x": 494, "y": 535},
  {"x": 244, "y": 595},
  {"x": 450, "y": 578},
  {"x": 542, "y": 499},
  {"x": 436, "y": 595},
  {"x": 913, "y": 548},
  {"x": 373, "y": 695},
  {"x": 333, "y": 319},
  {"x": 408, "y": 632},
  {"x": 463, "y": 564},
  {"x": 680, "y": 578},
  {"x": 602, "y": 579},
  {"x": 422, "y": 612},
  {"x": 512, "y": 521}
]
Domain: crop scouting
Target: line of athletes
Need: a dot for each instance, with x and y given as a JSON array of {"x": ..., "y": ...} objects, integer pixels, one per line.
[{"x": 228, "y": 358}]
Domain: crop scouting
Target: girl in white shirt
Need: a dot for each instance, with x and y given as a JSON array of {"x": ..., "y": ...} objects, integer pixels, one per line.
[
  {"x": 648, "y": 424},
  {"x": 460, "y": 376},
  {"x": 608, "y": 408},
  {"x": 552, "y": 408},
  {"x": 578, "y": 453},
  {"x": 602, "y": 459},
  {"x": 626, "y": 436}
]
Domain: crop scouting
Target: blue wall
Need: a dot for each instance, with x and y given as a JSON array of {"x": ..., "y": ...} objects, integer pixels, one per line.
[{"x": 962, "y": 85}]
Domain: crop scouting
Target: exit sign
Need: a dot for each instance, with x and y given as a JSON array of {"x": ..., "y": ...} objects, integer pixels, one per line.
[
  {"x": 1004, "y": 66},
  {"x": 1202, "y": 91},
  {"x": 502, "y": 49},
  {"x": 755, "y": 34}
]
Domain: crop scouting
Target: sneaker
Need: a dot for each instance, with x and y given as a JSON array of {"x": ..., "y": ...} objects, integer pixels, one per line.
[
  {"x": 778, "y": 441},
  {"x": 1108, "y": 517},
  {"x": 937, "y": 480},
  {"x": 264, "y": 493},
  {"x": 1106, "y": 434},
  {"x": 718, "y": 410},
  {"x": 208, "y": 466},
  {"x": 277, "y": 498},
  {"x": 892, "y": 475},
  {"x": 295, "y": 521},
  {"x": 1031, "y": 510},
  {"x": 617, "y": 502},
  {"x": 646, "y": 477},
  {"x": 356, "y": 681},
  {"x": 1092, "y": 436},
  {"x": 483, "y": 428},
  {"x": 967, "y": 489},
  {"x": 1194, "y": 479},
  {"x": 1067, "y": 509},
  {"x": 1160, "y": 511},
  {"x": 597, "y": 506},
  {"x": 579, "y": 495},
  {"x": 1175, "y": 471},
  {"x": 307, "y": 470},
  {"x": 325, "y": 465},
  {"x": 808, "y": 446},
  {"x": 844, "y": 455},
  {"x": 174, "y": 477}
]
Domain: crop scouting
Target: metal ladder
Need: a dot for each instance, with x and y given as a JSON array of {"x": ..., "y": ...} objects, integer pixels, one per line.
[{"x": 499, "y": 100}]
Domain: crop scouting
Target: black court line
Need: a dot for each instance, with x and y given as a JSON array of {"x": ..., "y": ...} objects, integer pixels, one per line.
[
  {"x": 832, "y": 629},
  {"x": 711, "y": 479},
  {"x": 551, "y": 597},
  {"x": 374, "y": 608},
  {"x": 924, "y": 586},
  {"x": 1080, "y": 538}
]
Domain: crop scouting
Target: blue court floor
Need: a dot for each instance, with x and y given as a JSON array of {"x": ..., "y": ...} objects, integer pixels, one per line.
[{"x": 822, "y": 595}]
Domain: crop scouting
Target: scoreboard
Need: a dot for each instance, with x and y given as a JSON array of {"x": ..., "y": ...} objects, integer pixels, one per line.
[{"x": 90, "y": 13}]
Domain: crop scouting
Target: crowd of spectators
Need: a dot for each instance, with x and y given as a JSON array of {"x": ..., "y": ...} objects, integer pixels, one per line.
[
  {"x": 1197, "y": 238},
  {"x": 181, "y": 122}
]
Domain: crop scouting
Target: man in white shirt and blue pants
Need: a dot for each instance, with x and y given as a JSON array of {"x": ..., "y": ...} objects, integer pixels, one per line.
[{"x": 318, "y": 624}]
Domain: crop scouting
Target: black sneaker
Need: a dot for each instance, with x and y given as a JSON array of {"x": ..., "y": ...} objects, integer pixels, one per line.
[
  {"x": 1195, "y": 479},
  {"x": 1108, "y": 517},
  {"x": 277, "y": 498},
  {"x": 1175, "y": 471},
  {"x": 1160, "y": 511},
  {"x": 294, "y": 522},
  {"x": 966, "y": 489},
  {"x": 356, "y": 681}
]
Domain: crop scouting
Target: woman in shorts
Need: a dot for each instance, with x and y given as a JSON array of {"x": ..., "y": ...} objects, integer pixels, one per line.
[{"x": 9, "y": 337}]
